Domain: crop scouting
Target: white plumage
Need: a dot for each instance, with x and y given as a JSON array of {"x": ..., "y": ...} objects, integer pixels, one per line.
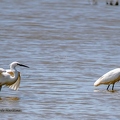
[
  {"x": 11, "y": 77},
  {"x": 109, "y": 78}
]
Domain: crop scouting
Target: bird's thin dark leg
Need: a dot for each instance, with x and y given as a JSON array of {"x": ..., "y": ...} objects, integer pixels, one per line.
[
  {"x": 113, "y": 86},
  {"x": 108, "y": 86},
  {"x": 0, "y": 88}
]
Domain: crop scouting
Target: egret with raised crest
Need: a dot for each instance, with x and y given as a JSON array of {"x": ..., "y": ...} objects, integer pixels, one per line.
[{"x": 11, "y": 77}]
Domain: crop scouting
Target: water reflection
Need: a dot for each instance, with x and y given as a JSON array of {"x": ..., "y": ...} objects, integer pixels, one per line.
[
  {"x": 106, "y": 91},
  {"x": 9, "y": 98},
  {"x": 13, "y": 98}
]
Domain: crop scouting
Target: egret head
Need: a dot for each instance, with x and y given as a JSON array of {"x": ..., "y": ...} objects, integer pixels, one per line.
[{"x": 14, "y": 64}]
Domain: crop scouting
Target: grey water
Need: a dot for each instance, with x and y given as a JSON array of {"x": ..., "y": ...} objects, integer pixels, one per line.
[{"x": 68, "y": 45}]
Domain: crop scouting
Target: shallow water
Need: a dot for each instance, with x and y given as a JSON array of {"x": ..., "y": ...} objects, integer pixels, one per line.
[{"x": 68, "y": 45}]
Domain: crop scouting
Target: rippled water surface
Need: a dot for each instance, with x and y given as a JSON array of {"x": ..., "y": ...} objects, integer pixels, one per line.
[{"x": 68, "y": 45}]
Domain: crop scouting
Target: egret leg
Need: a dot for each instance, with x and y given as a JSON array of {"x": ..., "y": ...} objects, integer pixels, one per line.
[
  {"x": 0, "y": 88},
  {"x": 108, "y": 86},
  {"x": 113, "y": 86}
]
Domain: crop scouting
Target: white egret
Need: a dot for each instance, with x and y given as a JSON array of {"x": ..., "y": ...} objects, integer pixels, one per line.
[
  {"x": 11, "y": 77},
  {"x": 109, "y": 78}
]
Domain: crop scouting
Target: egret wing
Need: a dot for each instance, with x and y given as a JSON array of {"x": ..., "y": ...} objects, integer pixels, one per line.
[
  {"x": 11, "y": 73},
  {"x": 15, "y": 85},
  {"x": 2, "y": 70}
]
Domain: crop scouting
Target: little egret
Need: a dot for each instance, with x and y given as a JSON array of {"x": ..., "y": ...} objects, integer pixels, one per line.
[
  {"x": 109, "y": 78},
  {"x": 11, "y": 77}
]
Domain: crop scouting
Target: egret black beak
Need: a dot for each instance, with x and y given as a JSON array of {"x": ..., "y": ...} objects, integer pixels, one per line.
[{"x": 22, "y": 65}]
